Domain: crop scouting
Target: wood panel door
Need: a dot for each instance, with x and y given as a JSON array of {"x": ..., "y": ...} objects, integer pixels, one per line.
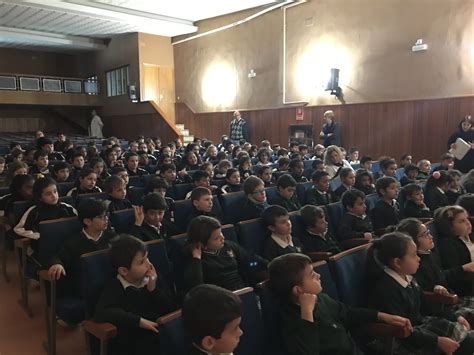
[{"x": 157, "y": 85}]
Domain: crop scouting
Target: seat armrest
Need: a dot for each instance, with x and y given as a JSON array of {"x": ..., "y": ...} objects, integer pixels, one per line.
[
  {"x": 354, "y": 242},
  {"x": 443, "y": 299},
  {"x": 318, "y": 256},
  {"x": 102, "y": 331},
  {"x": 383, "y": 330}
]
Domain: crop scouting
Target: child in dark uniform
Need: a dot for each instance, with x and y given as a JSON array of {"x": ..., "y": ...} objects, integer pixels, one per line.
[
  {"x": 256, "y": 199},
  {"x": 355, "y": 223},
  {"x": 347, "y": 179},
  {"x": 364, "y": 182},
  {"x": 116, "y": 190},
  {"x": 386, "y": 211},
  {"x": 232, "y": 179},
  {"x": 286, "y": 194},
  {"x": 455, "y": 188},
  {"x": 319, "y": 194},
  {"x": 436, "y": 187},
  {"x": 414, "y": 202},
  {"x": 316, "y": 237}
]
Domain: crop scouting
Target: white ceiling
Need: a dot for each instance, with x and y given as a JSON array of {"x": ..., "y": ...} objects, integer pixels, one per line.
[{"x": 76, "y": 24}]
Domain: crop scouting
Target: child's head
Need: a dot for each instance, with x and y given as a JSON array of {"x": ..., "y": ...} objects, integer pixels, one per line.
[
  {"x": 97, "y": 164},
  {"x": 388, "y": 166},
  {"x": 61, "y": 171},
  {"x": 277, "y": 220},
  {"x": 87, "y": 179},
  {"x": 452, "y": 221},
  {"x": 93, "y": 214},
  {"x": 366, "y": 162},
  {"x": 292, "y": 275},
  {"x": 132, "y": 161},
  {"x": 439, "y": 179},
  {"x": 168, "y": 172},
  {"x": 405, "y": 160},
  {"x": 223, "y": 166},
  {"x": 129, "y": 256},
  {"x": 347, "y": 176},
  {"x": 293, "y": 147},
  {"x": 415, "y": 229},
  {"x": 333, "y": 155},
  {"x": 263, "y": 155},
  {"x": 354, "y": 154},
  {"x": 190, "y": 158},
  {"x": 22, "y": 187},
  {"x": 254, "y": 188},
  {"x": 154, "y": 207},
  {"x": 303, "y": 149},
  {"x": 318, "y": 165},
  {"x": 321, "y": 180},
  {"x": 447, "y": 161},
  {"x": 386, "y": 188},
  {"x": 45, "y": 190},
  {"x": 363, "y": 179},
  {"x": 208, "y": 168},
  {"x": 211, "y": 151},
  {"x": 201, "y": 178},
  {"x": 265, "y": 173},
  {"x": 411, "y": 171},
  {"x": 121, "y": 172},
  {"x": 286, "y": 186},
  {"x": 467, "y": 202},
  {"x": 455, "y": 178},
  {"x": 115, "y": 187},
  {"x": 424, "y": 165},
  {"x": 245, "y": 162},
  {"x": 232, "y": 176},
  {"x": 283, "y": 163},
  {"x": 211, "y": 318},
  {"x": 158, "y": 185},
  {"x": 41, "y": 159},
  {"x": 207, "y": 232},
  {"x": 296, "y": 167},
  {"x": 314, "y": 219},
  {"x": 78, "y": 160},
  {"x": 201, "y": 199},
  {"x": 396, "y": 251},
  {"x": 16, "y": 168},
  {"x": 354, "y": 202},
  {"x": 413, "y": 192}
]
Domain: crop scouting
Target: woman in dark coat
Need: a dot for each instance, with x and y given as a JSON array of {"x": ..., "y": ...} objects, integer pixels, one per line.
[{"x": 465, "y": 132}]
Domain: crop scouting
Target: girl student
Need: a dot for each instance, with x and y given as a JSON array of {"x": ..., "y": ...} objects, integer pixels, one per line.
[
  {"x": 347, "y": 181},
  {"x": 364, "y": 182},
  {"x": 436, "y": 187},
  {"x": 393, "y": 260},
  {"x": 98, "y": 165},
  {"x": 85, "y": 184},
  {"x": 232, "y": 179}
]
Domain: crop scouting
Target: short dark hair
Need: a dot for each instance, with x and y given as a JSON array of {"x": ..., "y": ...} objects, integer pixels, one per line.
[
  {"x": 124, "y": 250},
  {"x": 310, "y": 214},
  {"x": 154, "y": 201},
  {"x": 447, "y": 156},
  {"x": 17, "y": 183},
  {"x": 454, "y": 172},
  {"x": 43, "y": 141},
  {"x": 166, "y": 167},
  {"x": 244, "y": 159},
  {"x": 117, "y": 169},
  {"x": 251, "y": 183},
  {"x": 40, "y": 153},
  {"x": 129, "y": 155},
  {"x": 261, "y": 169},
  {"x": 316, "y": 162},
  {"x": 350, "y": 197},
  {"x": 410, "y": 167},
  {"x": 345, "y": 172},
  {"x": 85, "y": 172},
  {"x": 113, "y": 182},
  {"x": 283, "y": 161},
  {"x": 60, "y": 165},
  {"x": 318, "y": 175},
  {"x": 229, "y": 172},
  {"x": 385, "y": 162},
  {"x": 467, "y": 202},
  {"x": 156, "y": 183},
  {"x": 360, "y": 174},
  {"x": 199, "y": 192},
  {"x": 201, "y": 228},
  {"x": 410, "y": 189},
  {"x": 91, "y": 208},
  {"x": 383, "y": 183},
  {"x": 200, "y": 174},
  {"x": 285, "y": 181},
  {"x": 40, "y": 185},
  {"x": 294, "y": 162},
  {"x": 365, "y": 159},
  {"x": 411, "y": 227},
  {"x": 271, "y": 213},
  {"x": 207, "y": 309},
  {"x": 287, "y": 271}
]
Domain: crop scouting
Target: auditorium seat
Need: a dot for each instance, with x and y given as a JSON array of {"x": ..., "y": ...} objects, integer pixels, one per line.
[
  {"x": 180, "y": 190},
  {"x": 135, "y": 195},
  {"x": 123, "y": 220},
  {"x": 301, "y": 190},
  {"x": 252, "y": 235},
  {"x": 231, "y": 206},
  {"x": 271, "y": 193},
  {"x": 335, "y": 211}
]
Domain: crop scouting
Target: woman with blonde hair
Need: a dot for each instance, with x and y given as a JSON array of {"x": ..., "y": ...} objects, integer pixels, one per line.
[{"x": 334, "y": 161}]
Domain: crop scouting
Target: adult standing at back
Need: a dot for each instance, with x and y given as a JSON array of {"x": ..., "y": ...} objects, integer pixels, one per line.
[
  {"x": 95, "y": 128},
  {"x": 465, "y": 132},
  {"x": 238, "y": 129},
  {"x": 331, "y": 131}
]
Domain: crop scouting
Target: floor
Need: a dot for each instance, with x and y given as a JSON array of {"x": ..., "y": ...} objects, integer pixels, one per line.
[{"x": 20, "y": 334}]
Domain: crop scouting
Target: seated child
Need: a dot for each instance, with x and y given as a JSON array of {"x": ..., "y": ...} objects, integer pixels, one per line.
[
  {"x": 265, "y": 174},
  {"x": 318, "y": 151},
  {"x": 414, "y": 202},
  {"x": 221, "y": 169},
  {"x": 280, "y": 242},
  {"x": 85, "y": 184},
  {"x": 296, "y": 169},
  {"x": 40, "y": 165},
  {"x": 366, "y": 163},
  {"x": 354, "y": 156},
  {"x": 149, "y": 217},
  {"x": 424, "y": 167},
  {"x": 411, "y": 172},
  {"x": 316, "y": 237},
  {"x": 263, "y": 157},
  {"x": 203, "y": 204},
  {"x": 304, "y": 151},
  {"x": 132, "y": 165},
  {"x": 319, "y": 194},
  {"x": 213, "y": 260},
  {"x": 364, "y": 182},
  {"x": 21, "y": 189},
  {"x": 406, "y": 159},
  {"x": 467, "y": 202},
  {"x": 347, "y": 176},
  {"x": 200, "y": 178},
  {"x": 388, "y": 167},
  {"x": 455, "y": 188},
  {"x": 61, "y": 172},
  {"x": 168, "y": 172},
  {"x": 77, "y": 165},
  {"x": 468, "y": 182},
  {"x": 436, "y": 187},
  {"x": 95, "y": 235},
  {"x": 211, "y": 318},
  {"x": 286, "y": 194},
  {"x": 133, "y": 300},
  {"x": 355, "y": 223},
  {"x": 386, "y": 211},
  {"x": 283, "y": 164},
  {"x": 232, "y": 178},
  {"x": 116, "y": 190},
  {"x": 394, "y": 290},
  {"x": 312, "y": 322},
  {"x": 256, "y": 199},
  {"x": 98, "y": 165},
  {"x": 446, "y": 163},
  {"x": 245, "y": 166}
]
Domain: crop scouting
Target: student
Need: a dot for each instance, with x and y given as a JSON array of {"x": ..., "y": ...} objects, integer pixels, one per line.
[
  {"x": 318, "y": 165},
  {"x": 160, "y": 186},
  {"x": 256, "y": 199},
  {"x": 47, "y": 207},
  {"x": 366, "y": 163},
  {"x": 46, "y": 144},
  {"x": 387, "y": 210},
  {"x": 364, "y": 182},
  {"x": 355, "y": 223},
  {"x": 40, "y": 165},
  {"x": 430, "y": 275},
  {"x": 232, "y": 178},
  {"x": 211, "y": 155},
  {"x": 446, "y": 163},
  {"x": 316, "y": 237},
  {"x": 455, "y": 243},
  {"x": 468, "y": 182},
  {"x": 116, "y": 190},
  {"x": 455, "y": 188},
  {"x": 132, "y": 165},
  {"x": 347, "y": 182},
  {"x": 211, "y": 319},
  {"x": 15, "y": 168},
  {"x": 221, "y": 169},
  {"x": 312, "y": 322},
  {"x": 304, "y": 152},
  {"x": 296, "y": 169},
  {"x": 277, "y": 221},
  {"x": 98, "y": 165},
  {"x": 388, "y": 167},
  {"x": 200, "y": 179},
  {"x": 354, "y": 156},
  {"x": 436, "y": 187},
  {"x": 134, "y": 299},
  {"x": 85, "y": 184},
  {"x": 405, "y": 160},
  {"x": 245, "y": 167},
  {"x": 21, "y": 189},
  {"x": 213, "y": 260},
  {"x": 201, "y": 198},
  {"x": 414, "y": 202},
  {"x": 424, "y": 167},
  {"x": 411, "y": 172},
  {"x": 168, "y": 172},
  {"x": 286, "y": 194},
  {"x": 77, "y": 162},
  {"x": 263, "y": 157},
  {"x": 265, "y": 174},
  {"x": 61, "y": 172},
  {"x": 95, "y": 235},
  {"x": 467, "y": 202},
  {"x": 319, "y": 194},
  {"x": 149, "y": 217},
  {"x": 395, "y": 291},
  {"x": 190, "y": 161},
  {"x": 283, "y": 164}
]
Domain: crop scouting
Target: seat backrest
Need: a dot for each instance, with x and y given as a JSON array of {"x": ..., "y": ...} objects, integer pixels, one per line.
[
  {"x": 172, "y": 334},
  {"x": 180, "y": 190},
  {"x": 95, "y": 196},
  {"x": 301, "y": 190},
  {"x": 229, "y": 233},
  {"x": 122, "y": 220},
  {"x": 371, "y": 200},
  {"x": 355, "y": 166},
  {"x": 271, "y": 193},
  {"x": 231, "y": 204},
  {"x": 135, "y": 195},
  {"x": 335, "y": 211},
  {"x": 399, "y": 173},
  {"x": 135, "y": 181},
  {"x": 64, "y": 187},
  {"x": 182, "y": 209},
  {"x": 297, "y": 225},
  {"x": 158, "y": 256},
  {"x": 349, "y": 273},
  {"x": 177, "y": 257},
  {"x": 308, "y": 163},
  {"x": 327, "y": 280},
  {"x": 375, "y": 167},
  {"x": 334, "y": 184},
  {"x": 252, "y": 235}
]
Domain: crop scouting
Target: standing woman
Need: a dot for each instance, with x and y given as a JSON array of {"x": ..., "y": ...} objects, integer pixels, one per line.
[
  {"x": 466, "y": 132},
  {"x": 331, "y": 131}
]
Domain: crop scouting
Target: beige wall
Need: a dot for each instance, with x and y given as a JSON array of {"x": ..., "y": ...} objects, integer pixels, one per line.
[{"x": 369, "y": 40}]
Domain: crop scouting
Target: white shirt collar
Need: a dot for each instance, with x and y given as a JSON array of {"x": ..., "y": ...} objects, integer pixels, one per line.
[
  {"x": 288, "y": 241},
  {"x": 91, "y": 238},
  {"x": 398, "y": 278},
  {"x": 440, "y": 190},
  {"x": 205, "y": 352},
  {"x": 126, "y": 284}
]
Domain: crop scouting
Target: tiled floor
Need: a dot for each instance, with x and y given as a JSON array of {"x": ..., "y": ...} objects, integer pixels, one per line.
[{"x": 21, "y": 335}]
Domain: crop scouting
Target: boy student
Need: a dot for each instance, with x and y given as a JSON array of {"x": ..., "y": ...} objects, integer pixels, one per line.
[
  {"x": 316, "y": 237},
  {"x": 61, "y": 172},
  {"x": 311, "y": 321},
  {"x": 211, "y": 318},
  {"x": 386, "y": 211},
  {"x": 221, "y": 169},
  {"x": 265, "y": 174},
  {"x": 77, "y": 161},
  {"x": 40, "y": 165},
  {"x": 366, "y": 163},
  {"x": 149, "y": 217},
  {"x": 414, "y": 202},
  {"x": 256, "y": 201},
  {"x": 296, "y": 169},
  {"x": 347, "y": 176},
  {"x": 355, "y": 223},
  {"x": 47, "y": 145},
  {"x": 447, "y": 162},
  {"x": 200, "y": 179},
  {"x": 455, "y": 188},
  {"x": 132, "y": 165},
  {"x": 94, "y": 236},
  {"x": 319, "y": 194},
  {"x": 201, "y": 198},
  {"x": 134, "y": 299},
  {"x": 280, "y": 242},
  {"x": 168, "y": 172},
  {"x": 411, "y": 172},
  {"x": 286, "y": 194},
  {"x": 116, "y": 190},
  {"x": 424, "y": 167}
]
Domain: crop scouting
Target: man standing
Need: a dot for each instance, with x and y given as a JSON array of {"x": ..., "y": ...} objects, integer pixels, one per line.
[
  {"x": 331, "y": 131},
  {"x": 238, "y": 129},
  {"x": 95, "y": 128}
]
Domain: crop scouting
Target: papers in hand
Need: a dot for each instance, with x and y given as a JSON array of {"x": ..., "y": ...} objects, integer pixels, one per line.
[{"x": 462, "y": 147}]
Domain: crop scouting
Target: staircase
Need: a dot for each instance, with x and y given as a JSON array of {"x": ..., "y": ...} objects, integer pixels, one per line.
[{"x": 187, "y": 138}]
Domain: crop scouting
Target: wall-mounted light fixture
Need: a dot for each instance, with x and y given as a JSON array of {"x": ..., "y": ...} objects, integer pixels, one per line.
[
  {"x": 333, "y": 83},
  {"x": 252, "y": 74}
]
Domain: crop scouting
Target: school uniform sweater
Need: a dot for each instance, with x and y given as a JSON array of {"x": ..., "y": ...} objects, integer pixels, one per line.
[
  {"x": 453, "y": 195},
  {"x": 292, "y": 204},
  {"x": 340, "y": 191},
  {"x": 75, "y": 191},
  {"x": 227, "y": 188},
  {"x": 314, "y": 197},
  {"x": 367, "y": 190},
  {"x": 147, "y": 232},
  {"x": 139, "y": 172},
  {"x": 275, "y": 247},
  {"x": 352, "y": 226},
  {"x": 436, "y": 198},
  {"x": 300, "y": 178},
  {"x": 411, "y": 209},
  {"x": 116, "y": 204},
  {"x": 385, "y": 214},
  {"x": 195, "y": 213},
  {"x": 317, "y": 243},
  {"x": 405, "y": 180},
  {"x": 328, "y": 334},
  {"x": 251, "y": 209}
]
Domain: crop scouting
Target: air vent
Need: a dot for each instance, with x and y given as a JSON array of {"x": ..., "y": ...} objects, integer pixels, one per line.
[
  {"x": 29, "y": 84},
  {"x": 7, "y": 83},
  {"x": 53, "y": 85},
  {"x": 72, "y": 86}
]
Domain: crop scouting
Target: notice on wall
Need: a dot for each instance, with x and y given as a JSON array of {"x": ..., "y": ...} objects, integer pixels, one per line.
[{"x": 299, "y": 114}]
